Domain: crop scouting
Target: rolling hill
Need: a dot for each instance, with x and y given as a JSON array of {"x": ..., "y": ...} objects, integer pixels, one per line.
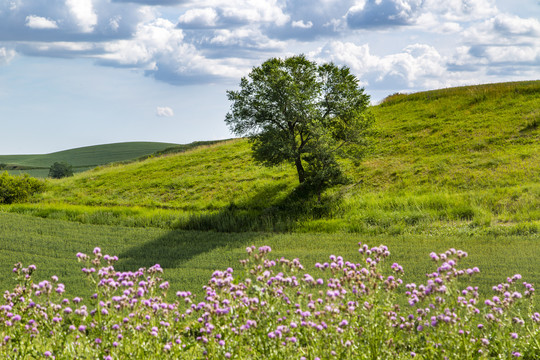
[
  {"x": 458, "y": 159},
  {"x": 84, "y": 157},
  {"x": 449, "y": 168}
]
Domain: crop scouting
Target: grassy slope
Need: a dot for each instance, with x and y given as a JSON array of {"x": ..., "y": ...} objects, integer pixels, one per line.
[
  {"x": 461, "y": 154},
  {"x": 447, "y": 164},
  {"x": 461, "y": 159},
  {"x": 88, "y": 156},
  {"x": 190, "y": 257}
]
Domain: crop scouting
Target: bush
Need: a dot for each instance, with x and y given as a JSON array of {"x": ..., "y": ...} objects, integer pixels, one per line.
[
  {"x": 18, "y": 188},
  {"x": 60, "y": 170},
  {"x": 273, "y": 310}
]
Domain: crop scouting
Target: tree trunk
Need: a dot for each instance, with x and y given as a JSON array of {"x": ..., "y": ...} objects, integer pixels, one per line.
[{"x": 300, "y": 170}]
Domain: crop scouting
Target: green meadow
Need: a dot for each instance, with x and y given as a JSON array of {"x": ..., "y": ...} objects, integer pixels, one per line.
[
  {"x": 190, "y": 257},
  {"x": 84, "y": 158},
  {"x": 454, "y": 167}
]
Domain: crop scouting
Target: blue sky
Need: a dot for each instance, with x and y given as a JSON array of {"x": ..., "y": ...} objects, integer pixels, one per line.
[{"x": 85, "y": 72}]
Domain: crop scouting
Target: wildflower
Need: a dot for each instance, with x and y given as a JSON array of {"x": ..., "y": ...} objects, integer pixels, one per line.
[{"x": 47, "y": 354}]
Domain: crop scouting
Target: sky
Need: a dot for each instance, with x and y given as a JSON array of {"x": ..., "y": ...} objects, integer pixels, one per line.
[{"x": 85, "y": 72}]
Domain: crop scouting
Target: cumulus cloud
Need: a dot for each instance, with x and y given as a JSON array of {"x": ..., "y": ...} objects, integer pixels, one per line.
[
  {"x": 164, "y": 111},
  {"x": 38, "y": 22},
  {"x": 369, "y": 14},
  {"x": 151, "y": 2},
  {"x": 186, "y": 41},
  {"x": 83, "y": 13},
  {"x": 461, "y": 10},
  {"x": 505, "y": 43},
  {"x": 512, "y": 25},
  {"x": 417, "y": 65},
  {"x": 302, "y": 25},
  {"x": 199, "y": 18},
  {"x": 159, "y": 48},
  {"x": 252, "y": 11},
  {"x": 6, "y": 55}
]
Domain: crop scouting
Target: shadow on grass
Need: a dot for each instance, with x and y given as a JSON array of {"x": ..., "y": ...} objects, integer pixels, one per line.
[
  {"x": 178, "y": 247},
  {"x": 267, "y": 211},
  {"x": 236, "y": 226}
]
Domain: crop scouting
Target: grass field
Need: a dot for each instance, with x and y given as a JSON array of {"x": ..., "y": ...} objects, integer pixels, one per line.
[
  {"x": 449, "y": 168},
  {"x": 190, "y": 257}
]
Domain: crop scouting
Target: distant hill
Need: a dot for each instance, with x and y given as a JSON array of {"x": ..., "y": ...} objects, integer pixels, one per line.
[
  {"x": 87, "y": 157},
  {"x": 466, "y": 158}
]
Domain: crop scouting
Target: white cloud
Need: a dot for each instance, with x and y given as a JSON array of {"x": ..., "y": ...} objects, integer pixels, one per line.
[
  {"x": 461, "y": 10},
  {"x": 416, "y": 66},
  {"x": 250, "y": 11},
  {"x": 208, "y": 40},
  {"x": 368, "y": 14},
  {"x": 302, "y": 25},
  {"x": 159, "y": 47},
  {"x": 503, "y": 40},
  {"x": 150, "y": 39},
  {"x": 114, "y": 22},
  {"x": 83, "y": 13},
  {"x": 164, "y": 111},
  {"x": 206, "y": 17},
  {"x": 515, "y": 26},
  {"x": 245, "y": 37},
  {"x": 38, "y": 22},
  {"x": 6, "y": 55}
]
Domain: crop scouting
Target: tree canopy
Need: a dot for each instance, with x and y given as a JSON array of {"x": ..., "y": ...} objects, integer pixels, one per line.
[
  {"x": 59, "y": 170},
  {"x": 296, "y": 111}
]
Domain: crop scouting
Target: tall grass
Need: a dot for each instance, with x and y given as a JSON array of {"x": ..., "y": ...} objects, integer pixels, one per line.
[{"x": 189, "y": 257}]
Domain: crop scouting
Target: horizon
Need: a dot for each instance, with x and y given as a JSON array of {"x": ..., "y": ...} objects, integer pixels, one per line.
[{"x": 77, "y": 74}]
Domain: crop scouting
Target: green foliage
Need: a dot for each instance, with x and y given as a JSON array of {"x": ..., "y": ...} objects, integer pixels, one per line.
[
  {"x": 18, "y": 188},
  {"x": 296, "y": 112},
  {"x": 60, "y": 170}
]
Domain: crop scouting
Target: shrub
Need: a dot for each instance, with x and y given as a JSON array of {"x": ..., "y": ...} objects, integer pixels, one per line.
[
  {"x": 59, "y": 170},
  {"x": 18, "y": 188},
  {"x": 273, "y": 310}
]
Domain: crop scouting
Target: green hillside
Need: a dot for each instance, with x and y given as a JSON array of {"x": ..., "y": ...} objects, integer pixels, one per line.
[
  {"x": 85, "y": 157},
  {"x": 450, "y": 168},
  {"x": 453, "y": 160}
]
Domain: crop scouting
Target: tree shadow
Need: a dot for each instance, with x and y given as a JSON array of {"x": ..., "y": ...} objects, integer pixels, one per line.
[
  {"x": 237, "y": 225},
  {"x": 178, "y": 247},
  {"x": 267, "y": 211}
]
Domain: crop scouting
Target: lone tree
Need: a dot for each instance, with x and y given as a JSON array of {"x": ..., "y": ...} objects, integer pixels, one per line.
[
  {"x": 296, "y": 111},
  {"x": 59, "y": 170}
]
